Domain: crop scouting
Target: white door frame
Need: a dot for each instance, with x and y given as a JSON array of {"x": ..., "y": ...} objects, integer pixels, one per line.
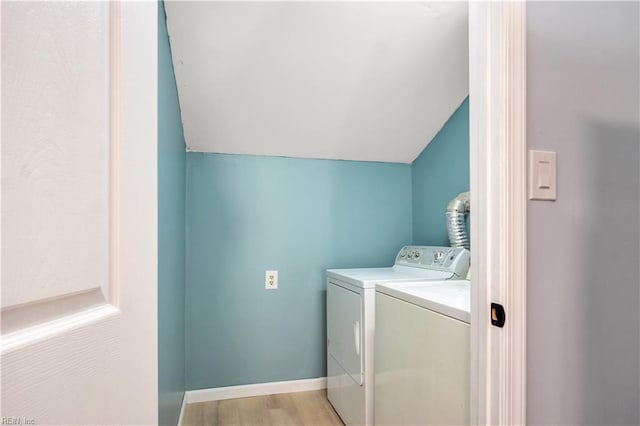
[{"x": 497, "y": 46}]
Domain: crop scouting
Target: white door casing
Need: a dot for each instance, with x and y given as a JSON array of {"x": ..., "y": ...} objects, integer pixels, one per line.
[
  {"x": 79, "y": 212},
  {"x": 497, "y": 45}
]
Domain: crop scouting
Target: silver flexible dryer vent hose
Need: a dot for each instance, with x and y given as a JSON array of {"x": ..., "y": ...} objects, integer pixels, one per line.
[{"x": 456, "y": 213}]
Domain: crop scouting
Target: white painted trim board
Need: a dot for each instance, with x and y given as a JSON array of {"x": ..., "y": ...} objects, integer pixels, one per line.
[
  {"x": 258, "y": 389},
  {"x": 499, "y": 215}
]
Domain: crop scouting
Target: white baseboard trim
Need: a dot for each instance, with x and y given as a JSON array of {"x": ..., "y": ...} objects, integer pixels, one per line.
[
  {"x": 184, "y": 402},
  {"x": 258, "y": 389}
]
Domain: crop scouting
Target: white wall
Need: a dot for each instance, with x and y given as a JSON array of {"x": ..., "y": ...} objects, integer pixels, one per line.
[
  {"x": 339, "y": 80},
  {"x": 583, "y": 297}
]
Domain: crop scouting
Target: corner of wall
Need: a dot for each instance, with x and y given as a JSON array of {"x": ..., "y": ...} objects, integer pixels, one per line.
[
  {"x": 438, "y": 174},
  {"x": 171, "y": 236}
]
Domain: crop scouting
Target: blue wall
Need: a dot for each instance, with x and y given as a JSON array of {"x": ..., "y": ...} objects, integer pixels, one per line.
[
  {"x": 248, "y": 214},
  {"x": 171, "y": 236},
  {"x": 440, "y": 173}
]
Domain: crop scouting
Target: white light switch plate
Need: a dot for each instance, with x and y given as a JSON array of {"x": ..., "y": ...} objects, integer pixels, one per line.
[
  {"x": 542, "y": 175},
  {"x": 271, "y": 280}
]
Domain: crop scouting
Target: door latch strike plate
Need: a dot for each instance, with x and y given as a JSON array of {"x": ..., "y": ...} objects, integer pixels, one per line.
[{"x": 497, "y": 315}]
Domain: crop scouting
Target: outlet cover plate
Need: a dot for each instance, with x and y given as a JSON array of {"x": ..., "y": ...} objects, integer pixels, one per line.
[{"x": 271, "y": 280}]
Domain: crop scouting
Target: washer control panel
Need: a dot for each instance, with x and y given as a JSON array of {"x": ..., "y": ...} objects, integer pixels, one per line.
[{"x": 452, "y": 259}]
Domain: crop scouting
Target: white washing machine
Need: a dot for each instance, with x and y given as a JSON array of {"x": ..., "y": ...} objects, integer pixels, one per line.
[
  {"x": 422, "y": 353},
  {"x": 351, "y": 322}
]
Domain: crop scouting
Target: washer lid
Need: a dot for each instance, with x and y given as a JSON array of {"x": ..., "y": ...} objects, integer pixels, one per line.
[
  {"x": 368, "y": 277},
  {"x": 451, "y": 298}
]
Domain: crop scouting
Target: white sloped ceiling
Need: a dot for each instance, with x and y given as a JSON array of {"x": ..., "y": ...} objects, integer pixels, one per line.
[{"x": 338, "y": 80}]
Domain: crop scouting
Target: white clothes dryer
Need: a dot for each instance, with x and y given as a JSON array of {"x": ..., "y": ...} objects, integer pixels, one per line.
[{"x": 351, "y": 322}]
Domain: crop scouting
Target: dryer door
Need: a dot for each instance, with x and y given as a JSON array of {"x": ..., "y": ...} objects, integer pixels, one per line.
[{"x": 345, "y": 329}]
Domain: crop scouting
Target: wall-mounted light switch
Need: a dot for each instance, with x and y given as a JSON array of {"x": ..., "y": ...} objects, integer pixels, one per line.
[
  {"x": 542, "y": 175},
  {"x": 271, "y": 280}
]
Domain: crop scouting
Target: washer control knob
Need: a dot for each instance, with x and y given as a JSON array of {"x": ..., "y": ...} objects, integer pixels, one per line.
[
  {"x": 417, "y": 254},
  {"x": 403, "y": 253},
  {"x": 437, "y": 256}
]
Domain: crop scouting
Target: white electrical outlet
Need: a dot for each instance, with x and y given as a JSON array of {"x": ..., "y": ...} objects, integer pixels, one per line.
[{"x": 271, "y": 280}]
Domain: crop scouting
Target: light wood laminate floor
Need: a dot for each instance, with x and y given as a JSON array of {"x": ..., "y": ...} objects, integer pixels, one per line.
[{"x": 287, "y": 409}]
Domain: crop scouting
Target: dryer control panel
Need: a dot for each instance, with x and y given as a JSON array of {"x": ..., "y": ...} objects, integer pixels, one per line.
[{"x": 451, "y": 259}]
